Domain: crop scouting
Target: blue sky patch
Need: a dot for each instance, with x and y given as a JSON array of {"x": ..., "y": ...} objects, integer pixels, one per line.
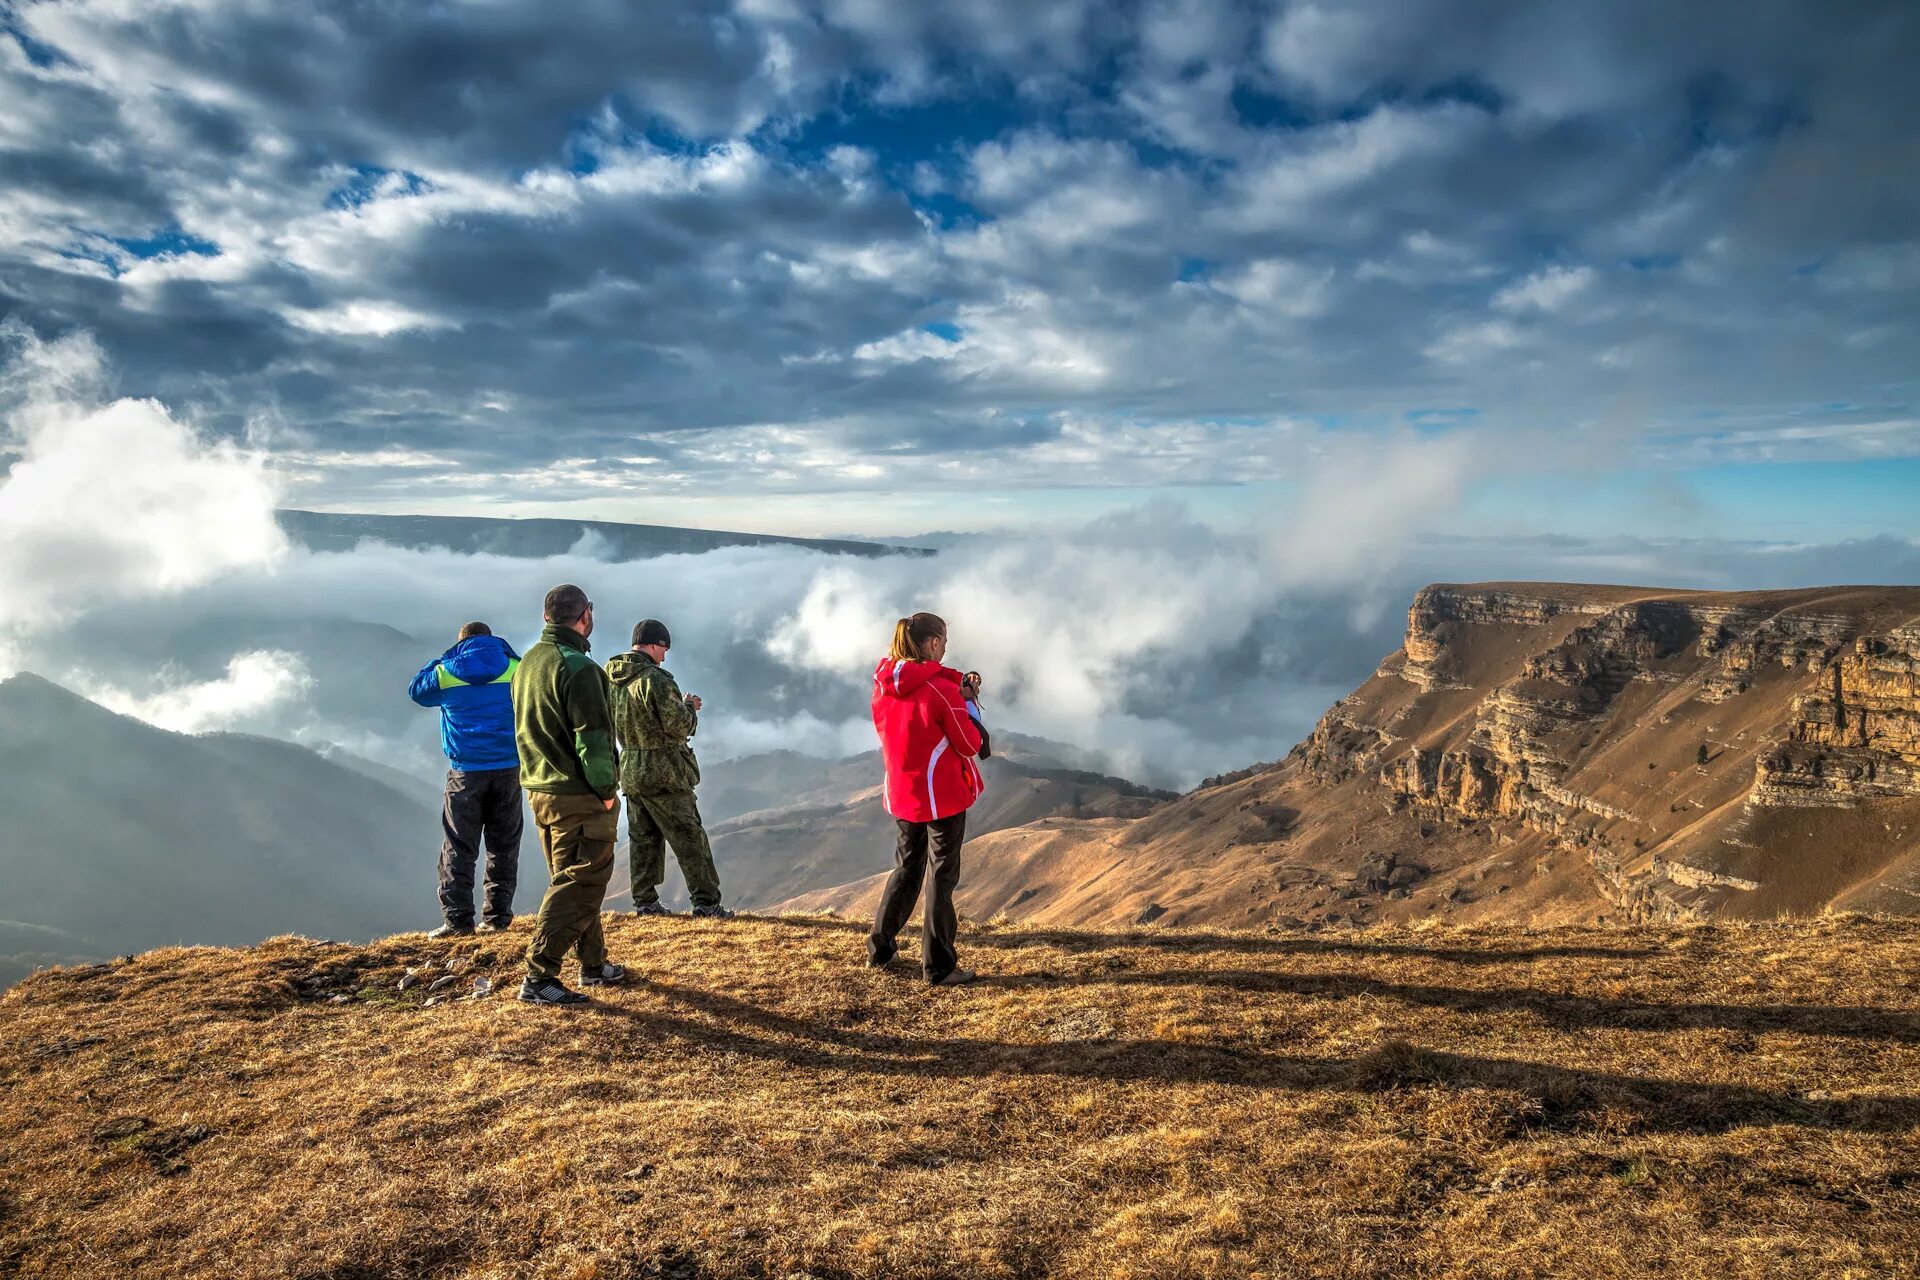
[
  {"x": 170, "y": 242},
  {"x": 369, "y": 181},
  {"x": 1462, "y": 249}
]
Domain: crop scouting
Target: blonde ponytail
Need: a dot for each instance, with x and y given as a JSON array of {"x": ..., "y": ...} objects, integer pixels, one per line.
[
  {"x": 909, "y": 634},
  {"x": 902, "y": 649}
]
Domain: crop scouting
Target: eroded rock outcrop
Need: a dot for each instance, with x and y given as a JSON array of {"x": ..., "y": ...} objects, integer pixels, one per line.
[
  {"x": 1856, "y": 734},
  {"x": 1555, "y": 670},
  {"x": 1439, "y": 612},
  {"x": 1805, "y": 640}
]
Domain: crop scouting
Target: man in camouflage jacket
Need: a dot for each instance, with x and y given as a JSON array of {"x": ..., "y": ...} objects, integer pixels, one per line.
[{"x": 658, "y": 773}]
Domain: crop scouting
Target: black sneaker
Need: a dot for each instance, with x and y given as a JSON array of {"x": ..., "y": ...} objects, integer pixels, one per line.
[
  {"x": 451, "y": 930},
  {"x": 652, "y": 909},
  {"x": 494, "y": 926},
  {"x": 714, "y": 912},
  {"x": 883, "y": 960},
  {"x": 549, "y": 991},
  {"x": 608, "y": 974}
]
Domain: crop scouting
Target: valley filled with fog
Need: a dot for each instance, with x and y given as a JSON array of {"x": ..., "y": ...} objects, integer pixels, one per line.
[
  {"x": 1164, "y": 651},
  {"x": 145, "y": 568},
  {"x": 148, "y": 571}
]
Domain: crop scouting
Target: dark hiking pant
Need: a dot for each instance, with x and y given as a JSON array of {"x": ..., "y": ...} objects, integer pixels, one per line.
[
  {"x": 654, "y": 822},
  {"x": 927, "y": 851},
  {"x": 481, "y": 804},
  {"x": 577, "y": 835}
]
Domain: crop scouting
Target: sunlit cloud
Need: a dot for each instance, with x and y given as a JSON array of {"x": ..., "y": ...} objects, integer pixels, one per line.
[{"x": 629, "y": 238}]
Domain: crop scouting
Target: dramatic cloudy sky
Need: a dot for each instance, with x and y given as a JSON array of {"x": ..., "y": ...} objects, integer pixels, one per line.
[{"x": 1555, "y": 267}]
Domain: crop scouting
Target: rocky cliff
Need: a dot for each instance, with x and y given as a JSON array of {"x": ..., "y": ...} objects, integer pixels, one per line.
[
  {"x": 1543, "y": 751},
  {"x": 1856, "y": 734},
  {"x": 1816, "y": 691}
]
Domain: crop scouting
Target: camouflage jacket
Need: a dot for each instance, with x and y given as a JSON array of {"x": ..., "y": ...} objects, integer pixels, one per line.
[
  {"x": 561, "y": 721},
  {"x": 653, "y": 723}
]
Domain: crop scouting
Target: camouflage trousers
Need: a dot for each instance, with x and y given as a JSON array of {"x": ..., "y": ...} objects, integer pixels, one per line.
[
  {"x": 577, "y": 834},
  {"x": 654, "y": 822}
]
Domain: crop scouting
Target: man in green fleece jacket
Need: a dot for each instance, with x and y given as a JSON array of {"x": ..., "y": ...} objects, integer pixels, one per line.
[
  {"x": 563, "y": 727},
  {"x": 658, "y": 773}
]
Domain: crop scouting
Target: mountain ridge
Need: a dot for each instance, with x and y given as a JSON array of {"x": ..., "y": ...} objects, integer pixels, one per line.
[
  {"x": 541, "y": 537},
  {"x": 782, "y": 823},
  {"x": 1539, "y": 751},
  {"x": 122, "y": 836}
]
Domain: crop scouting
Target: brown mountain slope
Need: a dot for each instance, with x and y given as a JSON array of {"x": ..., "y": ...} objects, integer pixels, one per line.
[
  {"x": 837, "y": 830},
  {"x": 1658, "y": 1103},
  {"x": 1539, "y": 752}
]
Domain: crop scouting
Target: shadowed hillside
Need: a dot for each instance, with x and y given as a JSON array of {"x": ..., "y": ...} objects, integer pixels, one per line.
[
  {"x": 1539, "y": 752},
  {"x": 784, "y": 824},
  {"x": 118, "y": 836},
  {"x": 1725, "y": 1101}
]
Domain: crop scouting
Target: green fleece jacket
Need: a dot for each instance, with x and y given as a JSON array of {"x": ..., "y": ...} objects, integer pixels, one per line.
[
  {"x": 654, "y": 723},
  {"x": 563, "y": 718}
]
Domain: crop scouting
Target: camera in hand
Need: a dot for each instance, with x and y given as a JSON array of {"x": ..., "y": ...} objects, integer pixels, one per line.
[{"x": 971, "y": 683}]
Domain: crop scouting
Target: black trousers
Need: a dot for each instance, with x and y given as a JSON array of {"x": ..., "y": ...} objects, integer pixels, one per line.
[
  {"x": 928, "y": 851},
  {"x": 483, "y": 803}
]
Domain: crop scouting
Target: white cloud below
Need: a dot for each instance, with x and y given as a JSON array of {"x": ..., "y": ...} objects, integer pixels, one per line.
[
  {"x": 114, "y": 500},
  {"x": 257, "y": 691}
]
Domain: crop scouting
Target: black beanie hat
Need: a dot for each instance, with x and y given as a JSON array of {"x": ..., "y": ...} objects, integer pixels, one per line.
[{"x": 651, "y": 631}]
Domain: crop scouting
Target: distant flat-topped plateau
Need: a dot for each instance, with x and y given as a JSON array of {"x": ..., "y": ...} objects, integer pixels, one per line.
[{"x": 339, "y": 531}]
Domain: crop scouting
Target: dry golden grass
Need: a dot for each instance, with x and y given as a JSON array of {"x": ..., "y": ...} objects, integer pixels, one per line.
[{"x": 1731, "y": 1101}]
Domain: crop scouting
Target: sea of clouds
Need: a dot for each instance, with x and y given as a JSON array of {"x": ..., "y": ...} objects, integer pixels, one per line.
[{"x": 141, "y": 565}]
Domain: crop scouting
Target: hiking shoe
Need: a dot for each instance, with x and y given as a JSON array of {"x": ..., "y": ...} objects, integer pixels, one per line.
[
  {"x": 652, "y": 909},
  {"x": 714, "y": 912},
  {"x": 953, "y": 978},
  {"x": 606, "y": 975},
  {"x": 882, "y": 961},
  {"x": 451, "y": 930},
  {"x": 549, "y": 991},
  {"x": 494, "y": 926}
]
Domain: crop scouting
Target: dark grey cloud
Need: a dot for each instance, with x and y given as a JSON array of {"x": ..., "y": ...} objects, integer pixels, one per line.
[{"x": 790, "y": 246}]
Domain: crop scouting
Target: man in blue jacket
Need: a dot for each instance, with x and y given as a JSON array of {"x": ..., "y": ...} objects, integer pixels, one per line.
[{"x": 470, "y": 683}]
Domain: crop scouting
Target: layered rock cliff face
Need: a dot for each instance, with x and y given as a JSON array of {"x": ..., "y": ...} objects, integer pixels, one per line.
[
  {"x": 1542, "y": 746},
  {"x": 1856, "y": 734},
  {"x": 1542, "y": 753}
]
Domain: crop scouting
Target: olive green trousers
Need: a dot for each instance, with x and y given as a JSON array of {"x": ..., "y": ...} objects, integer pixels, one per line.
[{"x": 577, "y": 834}]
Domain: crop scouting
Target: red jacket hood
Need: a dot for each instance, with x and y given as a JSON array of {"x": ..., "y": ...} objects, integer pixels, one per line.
[
  {"x": 895, "y": 678},
  {"x": 927, "y": 740}
]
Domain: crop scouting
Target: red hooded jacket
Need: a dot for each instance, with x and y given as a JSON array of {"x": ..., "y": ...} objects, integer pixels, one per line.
[{"x": 927, "y": 740}]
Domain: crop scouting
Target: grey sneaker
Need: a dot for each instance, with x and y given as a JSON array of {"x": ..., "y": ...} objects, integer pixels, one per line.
[
  {"x": 451, "y": 930},
  {"x": 652, "y": 909},
  {"x": 714, "y": 912},
  {"x": 608, "y": 974},
  {"x": 953, "y": 978},
  {"x": 494, "y": 926},
  {"x": 549, "y": 991}
]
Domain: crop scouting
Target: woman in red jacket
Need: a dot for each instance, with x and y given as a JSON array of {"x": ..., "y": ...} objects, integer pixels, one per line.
[{"x": 927, "y": 747}]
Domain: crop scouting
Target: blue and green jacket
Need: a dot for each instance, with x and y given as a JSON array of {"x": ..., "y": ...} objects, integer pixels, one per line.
[{"x": 470, "y": 685}]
